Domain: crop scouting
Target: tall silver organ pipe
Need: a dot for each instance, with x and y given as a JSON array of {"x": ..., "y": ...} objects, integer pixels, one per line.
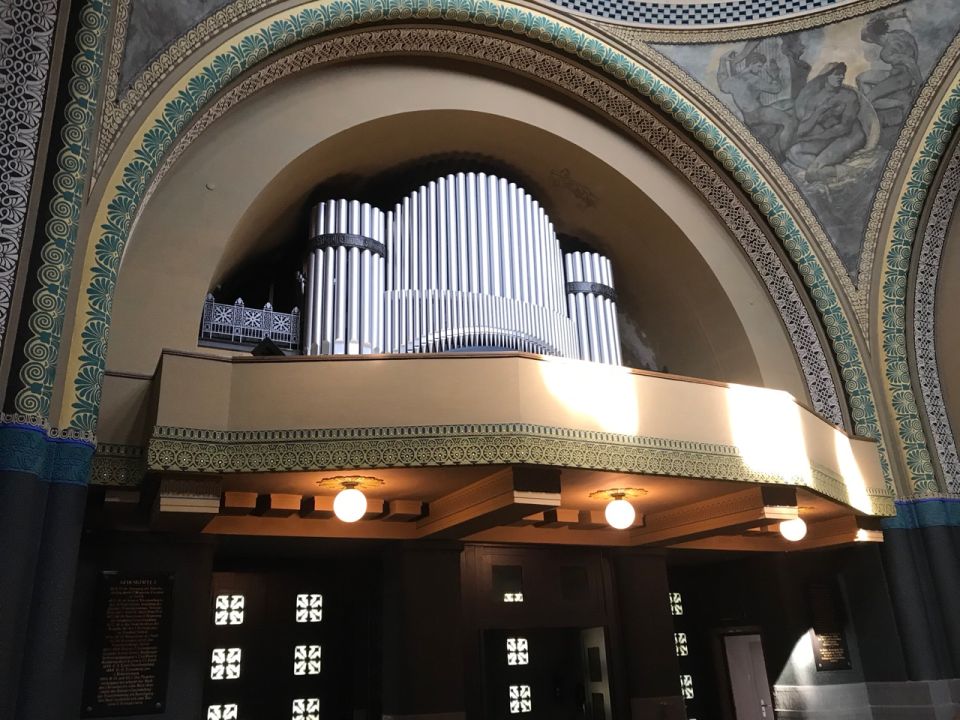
[
  {"x": 468, "y": 261},
  {"x": 345, "y": 271},
  {"x": 592, "y": 304}
]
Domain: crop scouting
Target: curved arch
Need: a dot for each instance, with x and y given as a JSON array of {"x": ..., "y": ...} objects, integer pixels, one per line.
[
  {"x": 924, "y": 313},
  {"x": 637, "y": 121},
  {"x": 891, "y": 318},
  {"x": 719, "y": 324},
  {"x": 227, "y": 62}
]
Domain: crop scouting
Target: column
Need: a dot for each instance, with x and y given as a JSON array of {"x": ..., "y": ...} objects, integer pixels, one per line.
[
  {"x": 422, "y": 645},
  {"x": 651, "y": 679}
]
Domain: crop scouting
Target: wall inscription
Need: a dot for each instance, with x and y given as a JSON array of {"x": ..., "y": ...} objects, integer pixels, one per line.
[
  {"x": 829, "y": 640},
  {"x": 127, "y": 666}
]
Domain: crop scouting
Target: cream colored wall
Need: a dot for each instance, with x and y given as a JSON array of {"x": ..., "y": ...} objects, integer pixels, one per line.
[{"x": 689, "y": 284}]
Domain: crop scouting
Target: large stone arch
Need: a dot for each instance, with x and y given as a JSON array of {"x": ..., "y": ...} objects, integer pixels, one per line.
[
  {"x": 925, "y": 311},
  {"x": 129, "y": 183},
  {"x": 892, "y": 291}
]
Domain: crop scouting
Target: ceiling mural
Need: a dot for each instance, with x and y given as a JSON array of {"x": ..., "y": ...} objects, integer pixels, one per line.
[
  {"x": 154, "y": 24},
  {"x": 828, "y": 103}
]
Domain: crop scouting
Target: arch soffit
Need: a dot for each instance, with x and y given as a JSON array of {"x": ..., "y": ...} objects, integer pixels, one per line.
[
  {"x": 198, "y": 87},
  {"x": 924, "y": 299},
  {"x": 910, "y": 201}
]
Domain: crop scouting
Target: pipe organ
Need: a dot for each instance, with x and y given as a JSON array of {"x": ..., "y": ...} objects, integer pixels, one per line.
[{"x": 467, "y": 262}]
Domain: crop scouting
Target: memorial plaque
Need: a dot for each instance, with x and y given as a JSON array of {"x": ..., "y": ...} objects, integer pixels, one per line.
[
  {"x": 829, "y": 640},
  {"x": 126, "y": 670}
]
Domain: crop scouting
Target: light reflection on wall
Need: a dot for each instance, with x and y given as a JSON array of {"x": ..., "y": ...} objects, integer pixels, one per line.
[
  {"x": 768, "y": 432},
  {"x": 801, "y": 667},
  {"x": 857, "y": 495},
  {"x": 605, "y": 396}
]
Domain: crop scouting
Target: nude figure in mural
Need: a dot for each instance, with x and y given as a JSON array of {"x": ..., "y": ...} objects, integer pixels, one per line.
[
  {"x": 747, "y": 87},
  {"x": 830, "y": 130},
  {"x": 895, "y": 88},
  {"x": 793, "y": 49}
]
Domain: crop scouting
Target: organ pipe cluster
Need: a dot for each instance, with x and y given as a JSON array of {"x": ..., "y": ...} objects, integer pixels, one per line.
[{"x": 468, "y": 261}]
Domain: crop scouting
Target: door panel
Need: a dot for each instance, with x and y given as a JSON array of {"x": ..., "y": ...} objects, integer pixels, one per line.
[
  {"x": 593, "y": 646},
  {"x": 748, "y": 677},
  {"x": 546, "y": 682}
]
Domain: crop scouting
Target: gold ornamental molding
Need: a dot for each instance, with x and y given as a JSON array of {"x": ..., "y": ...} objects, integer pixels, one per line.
[
  {"x": 189, "y": 450},
  {"x": 118, "y": 465}
]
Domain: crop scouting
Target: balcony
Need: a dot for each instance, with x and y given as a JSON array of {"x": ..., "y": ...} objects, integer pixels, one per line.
[{"x": 503, "y": 447}]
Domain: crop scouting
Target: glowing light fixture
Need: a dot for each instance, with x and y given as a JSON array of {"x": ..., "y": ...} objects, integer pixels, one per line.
[
  {"x": 619, "y": 512},
  {"x": 350, "y": 504},
  {"x": 793, "y": 530}
]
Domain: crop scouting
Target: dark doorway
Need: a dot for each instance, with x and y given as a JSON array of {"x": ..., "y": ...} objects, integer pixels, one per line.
[{"x": 546, "y": 674}]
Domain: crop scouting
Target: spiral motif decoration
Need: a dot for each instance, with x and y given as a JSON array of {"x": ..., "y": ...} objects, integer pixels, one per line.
[{"x": 37, "y": 373}]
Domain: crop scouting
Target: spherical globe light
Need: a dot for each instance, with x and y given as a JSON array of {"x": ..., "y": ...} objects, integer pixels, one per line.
[
  {"x": 793, "y": 530},
  {"x": 620, "y": 514},
  {"x": 350, "y": 505}
]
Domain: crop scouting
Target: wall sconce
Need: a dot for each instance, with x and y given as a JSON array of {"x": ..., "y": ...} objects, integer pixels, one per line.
[
  {"x": 619, "y": 512},
  {"x": 350, "y": 504}
]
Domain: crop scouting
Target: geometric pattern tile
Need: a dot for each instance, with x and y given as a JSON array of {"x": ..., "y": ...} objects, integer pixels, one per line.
[
  {"x": 924, "y": 317},
  {"x": 47, "y": 306},
  {"x": 904, "y": 227},
  {"x": 655, "y": 13},
  {"x": 26, "y": 39}
]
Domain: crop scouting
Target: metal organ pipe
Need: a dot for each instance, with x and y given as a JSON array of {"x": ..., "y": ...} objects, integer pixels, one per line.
[
  {"x": 344, "y": 270},
  {"x": 591, "y": 302},
  {"x": 466, "y": 261}
]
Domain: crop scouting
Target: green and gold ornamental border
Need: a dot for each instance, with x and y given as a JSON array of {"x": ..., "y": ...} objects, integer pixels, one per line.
[
  {"x": 189, "y": 450},
  {"x": 903, "y": 233}
]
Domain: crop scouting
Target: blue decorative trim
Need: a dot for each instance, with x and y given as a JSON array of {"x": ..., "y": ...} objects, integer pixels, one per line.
[
  {"x": 925, "y": 512},
  {"x": 679, "y": 14},
  {"x": 29, "y": 449}
]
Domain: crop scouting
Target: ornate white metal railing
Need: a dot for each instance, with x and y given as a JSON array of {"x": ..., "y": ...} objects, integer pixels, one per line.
[{"x": 241, "y": 325}]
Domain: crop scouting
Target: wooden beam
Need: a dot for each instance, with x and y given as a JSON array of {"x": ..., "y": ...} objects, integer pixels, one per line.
[
  {"x": 727, "y": 514},
  {"x": 595, "y": 520},
  {"x": 558, "y": 517},
  {"x": 278, "y": 505},
  {"x": 403, "y": 510},
  {"x": 317, "y": 507},
  {"x": 239, "y": 503},
  {"x": 185, "y": 504},
  {"x": 504, "y": 497},
  {"x": 845, "y": 530}
]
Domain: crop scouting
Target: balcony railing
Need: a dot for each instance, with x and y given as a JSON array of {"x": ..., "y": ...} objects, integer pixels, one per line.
[{"x": 239, "y": 325}]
